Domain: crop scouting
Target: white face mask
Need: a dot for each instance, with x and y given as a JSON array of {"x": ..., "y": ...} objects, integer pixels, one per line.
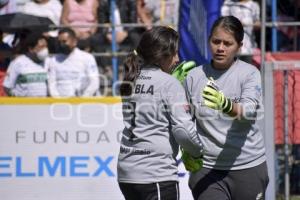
[{"x": 42, "y": 54}]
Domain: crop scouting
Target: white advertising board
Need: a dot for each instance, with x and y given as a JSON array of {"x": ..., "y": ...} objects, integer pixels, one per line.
[{"x": 62, "y": 151}]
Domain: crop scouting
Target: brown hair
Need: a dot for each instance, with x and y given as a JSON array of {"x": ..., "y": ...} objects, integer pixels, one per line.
[{"x": 156, "y": 45}]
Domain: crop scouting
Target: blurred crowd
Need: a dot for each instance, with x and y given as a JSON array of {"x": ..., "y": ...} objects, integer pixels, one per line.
[
  {"x": 75, "y": 51},
  {"x": 63, "y": 60}
]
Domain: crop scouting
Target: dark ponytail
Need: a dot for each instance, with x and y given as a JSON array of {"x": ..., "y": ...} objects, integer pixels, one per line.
[
  {"x": 155, "y": 47},
  {"x": 132, "y": 68}
]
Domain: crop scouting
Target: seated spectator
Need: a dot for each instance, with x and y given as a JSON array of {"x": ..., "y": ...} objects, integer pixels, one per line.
[
  {"x": 125, "y": 12},
  {"x": 127, "y": 38},
  {"x": 83, "y": 13},
  {"x": 26, "y": 75},
  {"x": 46, "y": 8},
  {"x": 72, "y": 72},
  {"x": 158, "y": 12}
]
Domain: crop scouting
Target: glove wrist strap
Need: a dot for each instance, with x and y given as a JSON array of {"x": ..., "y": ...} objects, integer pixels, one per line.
[{"x": 227, "y": 106}]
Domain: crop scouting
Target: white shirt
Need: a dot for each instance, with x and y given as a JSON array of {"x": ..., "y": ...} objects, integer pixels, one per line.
[
  {"x": 26, "y": 78},
  {"x": 73, "y": 75}
]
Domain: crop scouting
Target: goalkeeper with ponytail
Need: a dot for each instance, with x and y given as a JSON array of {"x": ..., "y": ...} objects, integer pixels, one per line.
[{"x": 156, "y": 118}]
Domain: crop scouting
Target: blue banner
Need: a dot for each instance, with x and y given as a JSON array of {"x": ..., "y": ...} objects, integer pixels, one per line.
[{"x": 195, "y": 21}]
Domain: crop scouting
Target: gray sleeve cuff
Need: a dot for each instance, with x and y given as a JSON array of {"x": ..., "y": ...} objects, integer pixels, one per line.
[{"x": 188, "y": 141}]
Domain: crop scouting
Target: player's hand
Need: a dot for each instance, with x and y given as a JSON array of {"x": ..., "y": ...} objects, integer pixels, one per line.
[
  {"x": 191, "y": 164},
  {"x": 215, "y": 99},
  {"x": 181, "y": 71}
]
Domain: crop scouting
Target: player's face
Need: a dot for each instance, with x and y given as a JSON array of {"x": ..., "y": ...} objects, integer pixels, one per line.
[
  {"x": 169, "y": 63},
  {"x": 223, "y": 47}
]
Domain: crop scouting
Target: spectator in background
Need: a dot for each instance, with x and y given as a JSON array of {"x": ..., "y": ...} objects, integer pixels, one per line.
[
  {"x": 248, "y": 12},
  {"x": 46, "y": 8},
  {"x": 72, "y": 72},
  {"x": 143, "y": 15},
  {"x": 26, "y": 74},
  {"x": 125, "y": 12},
  {"x": 127, "y": 38},
  {"x": 78, "y": 13}
]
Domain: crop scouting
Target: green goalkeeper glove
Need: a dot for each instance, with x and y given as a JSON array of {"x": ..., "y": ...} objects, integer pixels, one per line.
[
  {"x": 181, "y": 71},
  {"x": 215, "y": 99},
  {"x": 191, "y": 164}
]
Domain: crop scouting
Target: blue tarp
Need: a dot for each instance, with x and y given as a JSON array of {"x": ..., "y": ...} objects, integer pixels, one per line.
[{"x": 195, "y": 21}]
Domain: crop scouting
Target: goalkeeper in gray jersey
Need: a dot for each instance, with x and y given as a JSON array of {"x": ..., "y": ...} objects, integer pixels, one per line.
[
  {"x": 226, "y": 98},
  {"x": 156, "y": 117}
]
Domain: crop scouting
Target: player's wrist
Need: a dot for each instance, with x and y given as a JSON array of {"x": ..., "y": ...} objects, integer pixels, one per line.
[{"x": 227, "y": 105}]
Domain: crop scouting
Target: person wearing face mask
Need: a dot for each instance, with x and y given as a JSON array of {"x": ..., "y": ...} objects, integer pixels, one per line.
[
  {"x": 72, "y": 72},
  {"x": 26, "y": 74},
  {"x": 51, "y": 9}
]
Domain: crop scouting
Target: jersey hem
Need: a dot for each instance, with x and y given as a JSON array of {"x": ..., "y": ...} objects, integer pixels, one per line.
[{"x": 254, "y": 163}]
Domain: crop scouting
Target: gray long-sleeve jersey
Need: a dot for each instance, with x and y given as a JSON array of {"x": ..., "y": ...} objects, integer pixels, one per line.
[
  {"x": 156, "y": 119},
  {"x": 229, "y": 143}
]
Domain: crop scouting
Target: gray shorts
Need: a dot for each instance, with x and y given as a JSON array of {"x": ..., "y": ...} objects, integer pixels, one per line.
[{"x": 246, "y": 184}]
